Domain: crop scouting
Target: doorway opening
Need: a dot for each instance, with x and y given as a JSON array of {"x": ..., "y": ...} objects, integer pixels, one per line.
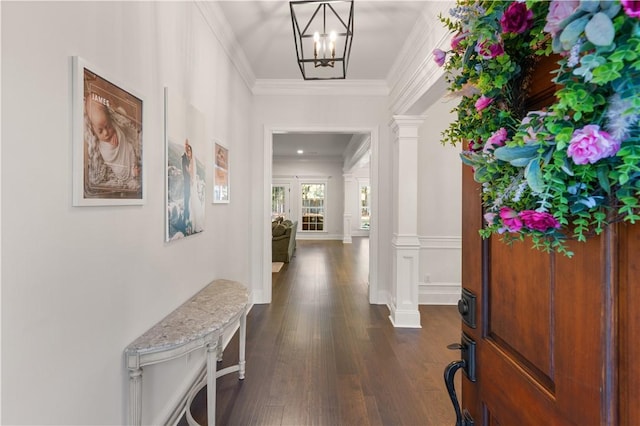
[{"x": 270, "y": 179}]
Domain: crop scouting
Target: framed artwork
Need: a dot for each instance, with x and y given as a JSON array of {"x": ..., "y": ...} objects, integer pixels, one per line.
[
  {"x": 186, "y": 173},
  {"x": 220, "y": 174},
  {"x": 107, "y": 140}
]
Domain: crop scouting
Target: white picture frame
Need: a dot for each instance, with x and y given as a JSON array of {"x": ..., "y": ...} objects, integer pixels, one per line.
[
  {"x": 221, "y": 178},
  {"x": 107, "y": 133},
  {"x": 186, "y": 148}
]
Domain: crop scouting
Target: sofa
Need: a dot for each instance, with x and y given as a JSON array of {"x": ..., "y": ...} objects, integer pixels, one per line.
[{"x": 283, "y": 240}]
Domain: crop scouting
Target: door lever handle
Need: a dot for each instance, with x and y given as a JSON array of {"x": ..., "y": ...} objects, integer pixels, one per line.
[
  {"x": 449, "y": 374},
  {"x": 467, "y": 348}
]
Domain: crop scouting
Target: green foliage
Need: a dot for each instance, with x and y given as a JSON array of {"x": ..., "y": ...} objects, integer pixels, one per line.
[{"x": 598, "y": 82}]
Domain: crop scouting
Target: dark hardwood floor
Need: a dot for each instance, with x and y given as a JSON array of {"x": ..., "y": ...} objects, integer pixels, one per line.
[{"x": 320, "y": 354}]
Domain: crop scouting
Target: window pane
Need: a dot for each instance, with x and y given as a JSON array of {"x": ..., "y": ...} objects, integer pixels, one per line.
[
  {"x": 365, "y": 208},
  {"x": 277, "y": 201},
  {"x": 313, "y": 199}
]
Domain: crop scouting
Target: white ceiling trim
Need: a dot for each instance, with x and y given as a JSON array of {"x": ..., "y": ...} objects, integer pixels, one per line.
[
  {"x": 409, "y": 79},
  {"x": 324, "y": 87},
  {"x": 221, "y": 29},
  {"x": 406, "y": 95}
]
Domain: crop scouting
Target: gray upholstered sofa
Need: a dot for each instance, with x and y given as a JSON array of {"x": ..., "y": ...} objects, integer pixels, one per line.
[{"x": 283, "y": 242}]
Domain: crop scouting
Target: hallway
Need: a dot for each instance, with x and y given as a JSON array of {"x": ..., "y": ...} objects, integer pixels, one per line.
[{"x": 320, "y": 354}]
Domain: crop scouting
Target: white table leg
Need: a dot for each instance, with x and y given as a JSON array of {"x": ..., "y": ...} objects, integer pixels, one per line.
[
  {"x": 135, "y": 396},
  {"x": 212, "y": 360},
  {"x": 242, "y": 338}
]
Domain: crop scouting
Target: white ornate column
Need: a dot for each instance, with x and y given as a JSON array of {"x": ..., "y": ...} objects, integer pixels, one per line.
[
  {"x": 349, "y": 200},
  {"x": 405, "y": 243}
]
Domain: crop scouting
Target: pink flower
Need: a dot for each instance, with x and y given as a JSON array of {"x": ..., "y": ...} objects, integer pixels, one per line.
[
  {"x": 631, "y": 8},
  {"x": 475, "y": 146},
  {"x": 455, "y": 41},
  {"x": 439, "y": 56},
  {"x": 559, "y": 10},
  {"x": 590, "y": 144},
  {"x": 510, "y": 219},
  {"x": 539, "y": 221},
  {"x": 483, "y": 102},
  {"x": 489, "y": 218},
  {"x": 516, "y": 19},
  {"x": 488, "y": 49},
  {"x": 497, "y": 139}
]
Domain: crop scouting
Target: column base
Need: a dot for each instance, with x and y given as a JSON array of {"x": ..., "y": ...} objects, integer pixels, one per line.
[{"x": 405, "y": 318}]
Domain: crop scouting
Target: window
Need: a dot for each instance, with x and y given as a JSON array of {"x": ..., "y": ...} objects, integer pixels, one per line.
[
  {"x": 365, "y": 206},
  {"x": 313, "y": 206},
  {"x": 279, "y": 200}
]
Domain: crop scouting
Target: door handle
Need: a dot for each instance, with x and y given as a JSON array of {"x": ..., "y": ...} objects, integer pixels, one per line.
[{"x": 467, "y": 364}]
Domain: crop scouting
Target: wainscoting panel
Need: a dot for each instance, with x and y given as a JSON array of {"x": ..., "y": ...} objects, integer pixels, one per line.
[{"x": 439, "y": 270}]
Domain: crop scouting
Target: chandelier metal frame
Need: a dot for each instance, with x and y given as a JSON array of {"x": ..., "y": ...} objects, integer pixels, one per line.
[{"x": 318, "y": 57}]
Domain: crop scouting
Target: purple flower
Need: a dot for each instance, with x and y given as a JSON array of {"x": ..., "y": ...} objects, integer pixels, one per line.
[
  {"x": 497, "y": 139},
  {"x": 516, "y": 19},
  {"x": 539, "y": 221},
  {"x": 631, "y": 8},
  {"x": 489, "y": 218},
  {"x": 488, "y": 49},
  {"x": 590, "y": 144},
  {"x": 455, "y": 41},
  {"x": 439, "y": 56},
  {"x": 559, "y": 10},
  {"x": 510, "y": 219},
  {"x": 483, "y": 102}
]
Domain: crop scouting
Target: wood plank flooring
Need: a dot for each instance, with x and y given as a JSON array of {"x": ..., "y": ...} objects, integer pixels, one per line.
[{"x": 320, "y": 354}]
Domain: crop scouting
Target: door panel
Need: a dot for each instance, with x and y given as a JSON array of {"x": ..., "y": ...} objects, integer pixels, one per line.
[
  {"x": 555, "y": 337},
  {"x": 511, "y": 307},
  {"x": 541, "y": 329}
]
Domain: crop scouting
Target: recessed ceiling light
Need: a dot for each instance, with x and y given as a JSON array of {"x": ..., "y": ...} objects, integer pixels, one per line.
[{"x": 300, "y": 151}]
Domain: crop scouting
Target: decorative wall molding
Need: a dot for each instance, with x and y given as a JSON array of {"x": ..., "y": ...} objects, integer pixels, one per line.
[
  {"x": 414, "y": 73},
  {"x": 438, "y": 293},
  {"x": 328, "y": 88},
  {"x": 215, "y": 19},
  {"x": 357, "y": 153},
  {"x": 452, "y": 242}
]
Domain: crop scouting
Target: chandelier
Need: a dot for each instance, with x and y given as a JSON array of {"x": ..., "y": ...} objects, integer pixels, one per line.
[{"x": 323, "y": 31}]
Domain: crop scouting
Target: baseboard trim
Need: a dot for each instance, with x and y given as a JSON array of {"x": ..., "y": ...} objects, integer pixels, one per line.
[{"x": 438, "y": 293}]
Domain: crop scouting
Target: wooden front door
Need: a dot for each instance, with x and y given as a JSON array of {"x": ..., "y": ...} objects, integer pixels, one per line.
[{"x": 555, "y": 338}]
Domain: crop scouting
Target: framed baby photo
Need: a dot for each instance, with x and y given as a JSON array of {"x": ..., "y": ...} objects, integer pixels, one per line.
[
  {"x": 220, "y": 174},
  {"x": 107, "y": 139}
]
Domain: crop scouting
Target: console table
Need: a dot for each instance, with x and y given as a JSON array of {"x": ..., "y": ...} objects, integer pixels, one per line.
[{"x": 198, "y": 323}]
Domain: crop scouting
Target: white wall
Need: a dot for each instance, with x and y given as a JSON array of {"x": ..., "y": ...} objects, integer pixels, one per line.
[
  {"x": 297, "y": 172},
  {"x": 439, "y": 209},
  {"x": 80, "y": 283}
]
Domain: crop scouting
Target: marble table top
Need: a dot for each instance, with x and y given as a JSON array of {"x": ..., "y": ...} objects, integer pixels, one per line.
[{"x": 207, "y": 312}]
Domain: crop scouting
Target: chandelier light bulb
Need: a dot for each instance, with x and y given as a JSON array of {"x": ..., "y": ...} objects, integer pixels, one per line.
[{"x": 333, "y": 36}]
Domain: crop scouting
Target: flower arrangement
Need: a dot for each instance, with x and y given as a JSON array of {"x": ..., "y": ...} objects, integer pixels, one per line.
[{"x": 573, "y": 168}]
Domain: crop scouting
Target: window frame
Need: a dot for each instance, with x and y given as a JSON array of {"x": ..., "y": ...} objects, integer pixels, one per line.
[{"x": 324, "y": 207}]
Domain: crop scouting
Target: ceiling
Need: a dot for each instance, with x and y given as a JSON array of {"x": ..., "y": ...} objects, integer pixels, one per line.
[
  {"x": 326, "y": 146},
  {"x": 264, "y": 32}
]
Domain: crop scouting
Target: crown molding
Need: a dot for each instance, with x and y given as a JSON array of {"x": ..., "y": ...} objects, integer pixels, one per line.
[
  {"x": 324, "y": 87},
  {"x": 221, "y": 29},
  {"x": 307, "y": 158},
  {"x": 414, "y": 73},
  {"x": 357, "y": 152}
]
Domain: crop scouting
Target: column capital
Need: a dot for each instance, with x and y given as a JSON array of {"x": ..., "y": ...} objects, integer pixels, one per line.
[{"x": 411, "y": 123}]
